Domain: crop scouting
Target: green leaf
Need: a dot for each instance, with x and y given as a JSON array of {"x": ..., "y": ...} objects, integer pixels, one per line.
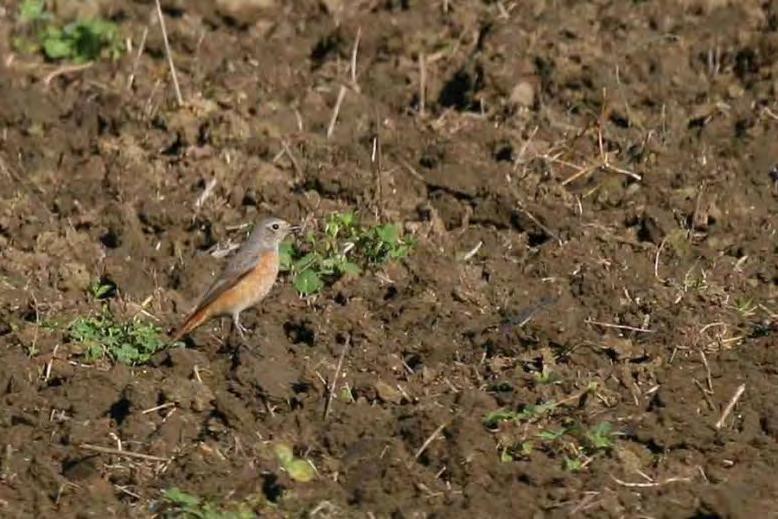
[
  {"x": 31, "y": 11},
  {"x": 284, "y": 453},
  {"x": 308, "y": 282},
  {"x": 181, "y": 498},
  {"x": 300, "y": 470},
  {"x": 306, "y": 261},
  {"x": 388, "y": 233},
  {"x": 573, "y": 464},
  {"x": 285, "y": 255},
  {"x": 551, "y": 435},
  {"x": 601, "y": 436},
  {"x": 349, "y": 267},
  {"x": 56, "y": 47},
  {"x": 494, "y": 418}
]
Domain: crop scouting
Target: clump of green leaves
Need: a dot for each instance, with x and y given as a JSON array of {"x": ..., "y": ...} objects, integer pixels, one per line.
[
  {"x": 132, "y": 342},
  {"x": 178, "y": 503},
  {"x": 544, "y": 427},
  {"x": 79, "y": 41},
  {"x": 578, "y": 445},
  {"x": 343, "y": 247},
  {"x": 599, "y": 438},
  {"x": 529, "y": 413}
]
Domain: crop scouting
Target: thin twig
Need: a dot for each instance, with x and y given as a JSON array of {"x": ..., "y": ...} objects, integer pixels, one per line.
[
  {"x": 538, "y": 223},
  {"x": 656, "y": 259},
  {"x": 651, "y": 485},
  {"x": 336, "y": 111},
  {"x": 415, "y": 174},
  {"x": 354, "y": 52},
  {"x": 50, "y": 363},
  {"x": 331, "y": 390},
  {"x": 375, "y": 162},
  {"x": 708, "y": 378},
  {"x": 158, "y": 407},
  {"x": 136, "y": 62},
  {"x": 430, "y": 439},
  {"x": 422, "y": 83},
  {"x": 179, "y": 98},
  {"x": 295, "y": 164},
  {"x": 117, "y": 452},
  {"x": 619, "y": 326},
  {"x": 66, "y": 69},
  {"x": 472, "y": 252},
  {"x": 206, "y": 193},
  {"x": 731, "y": 405}
]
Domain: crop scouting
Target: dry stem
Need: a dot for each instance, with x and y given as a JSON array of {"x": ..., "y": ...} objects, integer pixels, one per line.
[
  {"x": 169, "y": 55},
  {"x": 331, "y": 390},
  {"x": 117, "y": 452},
  {"x": 731, "y": 405}
]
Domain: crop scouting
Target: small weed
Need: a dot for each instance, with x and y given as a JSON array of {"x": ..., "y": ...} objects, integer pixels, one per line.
[
  {"x": 551, "y": 436},
  {"x": 745, "y": 307},
  {"x": 528, "y": 414},
  {"x": 79, "y": 41},
  {"x": 131, "y": 343},
  {"x": 344, "y": 247},
  {"x": 546, "y": 428},
  {"x": 547, "y": 377},
  {"x": 574, "y": 464},
  {"x": 102, "y": 289},
  {"x": 520, "y": 451},
  {"x": 178, "y": 503},
  {"x": 600, "y": 438}
]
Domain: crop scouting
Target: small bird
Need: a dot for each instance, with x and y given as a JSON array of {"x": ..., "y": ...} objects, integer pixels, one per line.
[{"x": 246, "y": 279}]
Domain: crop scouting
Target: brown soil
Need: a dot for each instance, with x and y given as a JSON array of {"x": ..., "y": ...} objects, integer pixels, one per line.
[{"x": 662, "y": 263}]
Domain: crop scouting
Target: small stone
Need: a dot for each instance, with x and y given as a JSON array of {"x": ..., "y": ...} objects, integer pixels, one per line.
[
  {"x": 523, "y": 94},
  {"x": 244, "y": 12},
  {"x": 388, "y": 393}
]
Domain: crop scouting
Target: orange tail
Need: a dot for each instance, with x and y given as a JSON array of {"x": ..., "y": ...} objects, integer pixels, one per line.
[{"x": 193, "y": 321}]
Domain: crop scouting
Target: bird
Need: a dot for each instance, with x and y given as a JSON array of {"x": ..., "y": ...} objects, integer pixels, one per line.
[{"x": 245, "y": 281}]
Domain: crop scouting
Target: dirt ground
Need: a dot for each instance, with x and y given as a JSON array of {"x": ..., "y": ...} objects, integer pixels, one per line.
[{"x": 610, "y": 165}]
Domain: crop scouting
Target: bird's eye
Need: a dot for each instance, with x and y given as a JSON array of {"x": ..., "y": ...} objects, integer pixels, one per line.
[{"x": 275, "y": 226}]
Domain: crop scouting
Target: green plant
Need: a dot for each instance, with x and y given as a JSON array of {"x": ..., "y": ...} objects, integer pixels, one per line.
[
  {"x": 132, "y": 342},
  {"x": 600, "y": 438},
  {"x": 178, "y": 503},
  {"x": 343, "y": 247},
  {"x": 547, "y": 377},
  {"x": 79, "y": 41},
  {"x": 529, "y": 413},
  {"x": 299, "y": 469},
  {"x": 551, "y": 436},
  {"x": 745, "y": 307},
  {"x": 100, "y": 289},
  {"x": 574, "y": 464},
  {"x": 521, "y": 450}
]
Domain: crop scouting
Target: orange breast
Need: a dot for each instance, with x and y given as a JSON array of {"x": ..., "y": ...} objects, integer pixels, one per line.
[{"x": 250, "y": 289}]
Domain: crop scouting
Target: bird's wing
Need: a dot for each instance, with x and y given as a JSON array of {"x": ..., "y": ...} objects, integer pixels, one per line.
[{"x": 236, "y": 269}]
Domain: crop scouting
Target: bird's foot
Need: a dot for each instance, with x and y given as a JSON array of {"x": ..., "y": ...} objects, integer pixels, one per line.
[{"x": 239, "y": 328}]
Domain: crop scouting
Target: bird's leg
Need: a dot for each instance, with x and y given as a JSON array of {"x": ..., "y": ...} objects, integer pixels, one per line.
[{"x": 239, "y": 327}]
